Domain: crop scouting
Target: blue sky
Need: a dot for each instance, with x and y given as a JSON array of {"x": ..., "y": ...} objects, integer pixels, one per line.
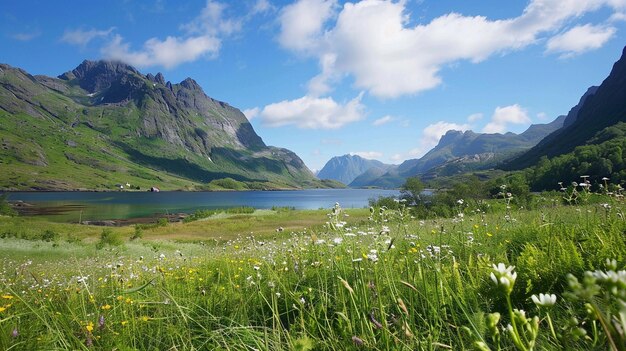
[{"x": 382, "y": 79}]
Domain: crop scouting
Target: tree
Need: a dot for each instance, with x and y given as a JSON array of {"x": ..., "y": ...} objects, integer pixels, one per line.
[{"x": 412, "y": 190}]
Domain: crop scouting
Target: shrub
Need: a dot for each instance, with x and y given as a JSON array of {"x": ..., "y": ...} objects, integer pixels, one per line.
[
  {"x": 108, "y": 237},
  {"x": 241, "y": 210},
  {"x": 5, "y": 207},
  {"x": 138, "y": 234},
  {"x": 50, "y": 235}
]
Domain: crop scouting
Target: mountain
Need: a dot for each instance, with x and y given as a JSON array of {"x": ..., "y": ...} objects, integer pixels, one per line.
[
  {"x": 598, "y": 109},
  {"x": 459, "y": 152},
  {"x": 347, "y": 167},
  {"x": 378, "y": 178},
  {"x": 104, "y": 123}
]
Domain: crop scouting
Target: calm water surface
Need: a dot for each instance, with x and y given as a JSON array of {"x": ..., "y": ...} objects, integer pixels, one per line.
[{"x": 69, "y": 206}]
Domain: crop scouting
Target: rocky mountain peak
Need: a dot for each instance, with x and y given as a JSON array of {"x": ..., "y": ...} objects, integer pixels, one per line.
[
  {"x": 450, "y": 137},
  {"x": 94, "y": 76},
  {"x": 190, "y": 84},
  {"x": 159, "y": 78}
]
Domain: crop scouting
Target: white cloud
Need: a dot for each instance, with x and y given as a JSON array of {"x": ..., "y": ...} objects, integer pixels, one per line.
[
  {"x": 262, "y": 6},
  {"x": 618, "y": 17},
  {"x": 301, "y": 23},
  {"x": 370, "y": 155},
  {"x": 383, "y": 120},
  {"x": 372, "y": 41},
  {"x": 203, "y": 39},
  {"x": 82, "y": 37},
  {"x": 503, "y": 116},
  {"x": 580, "y": 39},
  {"x": 474, "y": 117},
  {"x": 26, "y": 36},
  {"x": 310, "y": 112},
  {"x": 212, "y": 21},
  {"x": 542, "y": 116},
  {"x": 251, "y": 113},
  {"x": 167, "y": 53},
  {"x": 321, "y": 84},
  {"x": 397, "y": 158}
]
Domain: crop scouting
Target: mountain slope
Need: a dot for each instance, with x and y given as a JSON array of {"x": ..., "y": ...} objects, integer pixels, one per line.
[
  {"x": 455, "y": 144},
  {"x": 105, "y": 123},
  {"x": 347, "y": 167},
  {"x": 599, "y": 109},
  {"x": 459, "y": 152},
  {"x": 369, "y": 177}
]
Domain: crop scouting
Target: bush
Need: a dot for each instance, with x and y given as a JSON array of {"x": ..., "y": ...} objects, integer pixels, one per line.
[
  {"x": 50, "y": 235},
  {"x": 5, "y": 207},
  {"x": 138, "y": 234},
  {"x": 241, "y": 210},
  {"x": 108, "y": 237},
  {"x": 199, "y": 214},
  {"x": 391, "y": 203}
]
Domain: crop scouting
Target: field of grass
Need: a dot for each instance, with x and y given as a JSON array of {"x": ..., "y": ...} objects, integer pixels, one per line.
[{"x": 322, "y": 280}]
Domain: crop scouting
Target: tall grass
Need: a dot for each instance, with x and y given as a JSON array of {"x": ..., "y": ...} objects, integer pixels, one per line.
[{"x": 391, "y": 282}]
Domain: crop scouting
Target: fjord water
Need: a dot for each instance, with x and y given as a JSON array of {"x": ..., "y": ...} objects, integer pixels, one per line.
[{"x": 70, "y": 206}]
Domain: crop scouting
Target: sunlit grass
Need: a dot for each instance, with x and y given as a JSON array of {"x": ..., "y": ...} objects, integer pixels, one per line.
[{"x": 313, "y": 280}]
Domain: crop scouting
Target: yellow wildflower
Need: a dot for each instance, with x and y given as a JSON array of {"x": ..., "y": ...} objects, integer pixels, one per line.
[
  {"x": 106, "y": 307},
  {"x": 89, "y": 327}
]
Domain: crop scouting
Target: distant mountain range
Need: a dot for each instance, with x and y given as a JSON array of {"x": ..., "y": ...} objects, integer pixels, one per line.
[
  {"x": 348, "y": 167},
  {"x": 455, "y": 153},
  {"x": 104, "y": 123},
  {"x": 597, "y": 119}
]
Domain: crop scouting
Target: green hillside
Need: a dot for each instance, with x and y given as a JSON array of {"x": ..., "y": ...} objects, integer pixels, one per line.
[
  {"x": 104, "y": 124},
  {"x": 603, "y": 108},
  {"x": 601, "y": 156}
]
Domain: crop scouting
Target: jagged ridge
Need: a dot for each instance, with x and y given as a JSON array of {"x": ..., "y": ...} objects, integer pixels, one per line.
[{"x": 108, "y": 115}]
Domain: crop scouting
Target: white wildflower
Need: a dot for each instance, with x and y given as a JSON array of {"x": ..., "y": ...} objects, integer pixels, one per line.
[{"x": 544, "y": 300}]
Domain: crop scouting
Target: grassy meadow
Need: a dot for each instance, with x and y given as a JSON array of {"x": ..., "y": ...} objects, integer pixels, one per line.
[{"x": 495, "y": 276}]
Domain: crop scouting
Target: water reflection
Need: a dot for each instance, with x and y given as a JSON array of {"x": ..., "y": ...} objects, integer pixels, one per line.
[{"x": 72, "y": 206}]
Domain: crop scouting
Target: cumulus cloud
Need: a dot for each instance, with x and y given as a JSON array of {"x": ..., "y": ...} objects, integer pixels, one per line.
[
  {"x": 251, "y": 113},
  {"x": 212, "y": 21},
  {"x": 262, "y": 6},
  {"x": 82, "y": 37},
  {"x": 580, "y": 39},
  {"x": 302, "y": 22},
  {"x": 618, "y": 17},
  {"x": 383, "y": 120},
  {"x": 372, "y": 40},
  {"x": 167, "y": 53},
  {"x": 310, "y": 112},
  {"x": 503, "y": 116},
  {"x": 202, "y": 39},
  {"x": 474, "y": 117}
]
